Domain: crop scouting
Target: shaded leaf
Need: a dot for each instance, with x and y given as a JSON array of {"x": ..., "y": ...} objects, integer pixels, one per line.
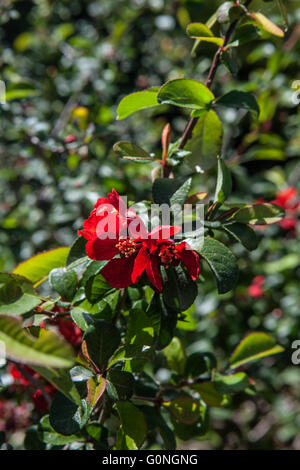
[{"x": 222, "y": 263}]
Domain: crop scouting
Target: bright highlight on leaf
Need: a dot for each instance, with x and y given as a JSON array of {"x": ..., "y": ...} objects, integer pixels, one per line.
[
  {"x": 266, "y": 24},
  {"x": 254, "y": 346},
  {"x": 137, "y": 101},
  {"x": 47, "y": 350},
  {"x": 185, "y": 93},
  {"x": 201, "y": 32},
  {"x": 39, "y": 266}
]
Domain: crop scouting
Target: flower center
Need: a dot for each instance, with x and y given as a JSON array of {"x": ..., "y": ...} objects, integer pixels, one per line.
[
  {"x": 127, "y": 247},
  {"x": 168, "y": 255}
]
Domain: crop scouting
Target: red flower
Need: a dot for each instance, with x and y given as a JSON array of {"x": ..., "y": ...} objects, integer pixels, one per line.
[
  {"x": 70, "y": 331},
  {"x": 288, "y": 200},
  {"x": 255, "y": 290},
  {"x": 138, "y": 251}
]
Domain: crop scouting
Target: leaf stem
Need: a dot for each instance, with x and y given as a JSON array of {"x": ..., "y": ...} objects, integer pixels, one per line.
[{"x": 211, "y": 75}]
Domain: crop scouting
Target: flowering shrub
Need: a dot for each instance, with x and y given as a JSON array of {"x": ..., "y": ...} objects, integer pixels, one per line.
[{"x": 90, "y": 328}]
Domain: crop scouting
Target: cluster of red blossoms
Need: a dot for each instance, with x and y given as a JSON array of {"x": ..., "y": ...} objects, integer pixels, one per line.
[
  {"x": 21, "y": 380},
  {"x": 288, "y": 199},
  {"x": 113, "y": 230},
  {"x": 24, "y": 378}
]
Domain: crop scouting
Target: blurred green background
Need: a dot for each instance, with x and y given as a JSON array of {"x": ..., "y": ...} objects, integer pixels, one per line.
[{"x": 66, "y": 65}]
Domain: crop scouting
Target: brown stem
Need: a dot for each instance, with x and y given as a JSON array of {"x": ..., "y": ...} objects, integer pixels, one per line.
[{"x": 210, "y": 78}]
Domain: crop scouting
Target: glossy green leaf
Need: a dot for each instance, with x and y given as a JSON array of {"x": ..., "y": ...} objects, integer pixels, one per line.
[
  {"x": 133, "y": 422},
  {"x": 224, "y": 182},
  {"x": 17, "y": 295},
  {"x": 210, "y": 395},
  {"x": 66, "y": 417},
  {"x": 185, "y": 409},
  {"x": 102, "y": 340},
  {"x": 40, "y": 265},
  {"x": 47, "y": 350},
  {"x": 206, "y": 142},
  {"x": 222, "y": 263},
  {"x": 119, "y": 384},
  {"x": 259, "y": 214},
  {"x": 171, "y": 191},
  {"x": 185, "y": 93},
  {"x": 203, "y": 33},
  {"x": 266, "y": 24},
  {"x": 243, "y": 234},
  {"x": 239, "y": 100},
  {"x": 176, "y": 356},
  {"x": 137, "y": 101},
  {"x": 180, "y": 291},
  {"x": 231, "y": 383},
  {"x": 131, "y": 151},
  {"x": 96, "y": 387},
  {"x": 254, "y": 346},
  {"x": 64, "y": 282}
]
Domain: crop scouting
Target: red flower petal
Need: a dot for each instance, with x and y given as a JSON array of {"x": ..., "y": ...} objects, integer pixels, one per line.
[
  {"x": 118, "y": 272},
  {"x": 164, "y": 232},
  {"x": 152, "y": 271},
  {"x": 99, "y": 250},
  {"x": 190, "y": 259},
  {"x": 140, "y": 265}
]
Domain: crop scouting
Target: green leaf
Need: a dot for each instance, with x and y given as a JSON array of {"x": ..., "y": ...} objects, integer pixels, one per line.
[
  {"x": 66, "y": 417},
  {"x": 131, "y": 151},
  {"x": 171, "y": 191},
  {"x": 224, "y": 182},
  {"x": 80, "y": 374},
  {"x": 17, "y": 295},
  {"x": 64, "y": 282},
  {"x": 243, "y": 234},
  {"x": 284, "y": 13},
  {"x": 96, "y": 288},
  {"x": 206, "y": 142},
  {"x": 266, "y": 24},
  {"x": 48, "y": 434},
  {"x": 259, "y": 214},
  {"x": 102, "y": 340},
  {"x": 239, "y": 99},
  {"x": 133, "y": 422},
  {"x": 180, "y": 291},
  {"x": 185, "y": 409},
  {"x": 210, "y": 395},
  {"x": 202, "y": 32},
  {"x": 76, "y": 251},
  {"x": 176, "y": 357},
  {"x": 222, "y": 263},
  {"x": 185, "y": 93},
  {"x": 198, "y": 363},
  {"x": 48, "y": 350},
  {"x": 20, "y": 91},
  {"x": 96, "y": 387},
  {"x": 163, "y": 320},
  {"x": 140, "y": 331},
  {"x": 40, "y": 265},
  {"x": 137, "y": 101},
  {"x": 119, "y": 384},
  {"x": 244, "y": 34},
  {"x": 231, "y": 383},
  {"x": 254, "y": 346}
]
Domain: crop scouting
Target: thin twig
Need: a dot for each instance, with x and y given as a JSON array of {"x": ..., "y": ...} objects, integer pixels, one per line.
[{"x": 211, "y": 75}]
